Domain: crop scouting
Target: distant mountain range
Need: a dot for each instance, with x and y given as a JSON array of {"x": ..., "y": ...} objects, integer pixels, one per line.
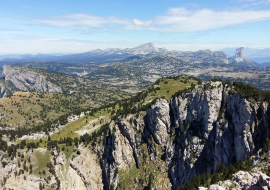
[
  {"x": 97, "y": 56},
  {"x": 20, "y": 56},
  {"x": 117, "y": 54}
]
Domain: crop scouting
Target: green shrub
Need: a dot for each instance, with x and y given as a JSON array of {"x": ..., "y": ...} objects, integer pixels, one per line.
[{"x": 233, "y": 186}]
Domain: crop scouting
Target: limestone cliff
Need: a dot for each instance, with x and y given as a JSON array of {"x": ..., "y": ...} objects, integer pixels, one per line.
[
  {"x": 24, "y": 79},
  {"x": 6, "y": 88},
  {"x": 193, "y": 133},
  {"x": 240, "y": 59}
]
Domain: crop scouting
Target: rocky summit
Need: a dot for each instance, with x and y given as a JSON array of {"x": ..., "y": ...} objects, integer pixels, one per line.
[
  {"x": 240, "y": 59},
  {"x": 144, "y": 49},
  {"x": 239, "y": 54}
]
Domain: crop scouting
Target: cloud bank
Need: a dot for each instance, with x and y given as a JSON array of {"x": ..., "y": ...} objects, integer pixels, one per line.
[{"x": 174, "y": 20}]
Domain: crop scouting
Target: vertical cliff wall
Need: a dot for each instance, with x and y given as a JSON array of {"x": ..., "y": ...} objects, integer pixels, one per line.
[
  {"x": 24, "y": 80},
  {"x": 192, "y": 134}
]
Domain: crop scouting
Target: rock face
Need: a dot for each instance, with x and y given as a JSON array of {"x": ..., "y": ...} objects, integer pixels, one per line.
[
  {"x": 6, "y": 88},
  {"x": 87, "y": 167},
  {"x": 194, "y": 132},
  {"x": 239, "y": 54},
  {"x": 243, "y": 180},
  {"x": 121, "y": 151},
  {"x": 144, "y": 49},
  {"x": 240, "y": 59},
  {"x": 25, "y": 80},
  {"x": 158, "y": 120}
]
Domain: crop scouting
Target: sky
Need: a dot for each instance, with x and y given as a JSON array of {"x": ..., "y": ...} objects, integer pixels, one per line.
[{"x": 69, "y": 26}]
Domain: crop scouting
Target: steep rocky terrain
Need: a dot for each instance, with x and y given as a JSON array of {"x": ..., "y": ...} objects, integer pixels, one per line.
[
  {"x": 160, "y": 143},
  {"x": 191, "y": 134},
  {"x": 240, "y": 59},
  {"x": 242, "y": 180},
  {"x": 25, "y": 80},
  {"x": 7, "y": 88}
]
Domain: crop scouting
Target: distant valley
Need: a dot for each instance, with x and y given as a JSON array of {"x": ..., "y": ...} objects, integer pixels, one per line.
[{"x": 137, "y": 68}]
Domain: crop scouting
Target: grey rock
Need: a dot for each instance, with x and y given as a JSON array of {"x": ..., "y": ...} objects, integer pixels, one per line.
[
  {"x": 243, "y": 181},
  {"x": 25, "y": 80},
  {"x": 240, "y": 59},
  {"x": 158, "y": 121},
  {"x": 195, "y": 131}
]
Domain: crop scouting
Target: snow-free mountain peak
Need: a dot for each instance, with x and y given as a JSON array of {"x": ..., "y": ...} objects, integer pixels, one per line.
[
  {"x": 145, "y": 49},
  {"x": 240, "y": 59}
]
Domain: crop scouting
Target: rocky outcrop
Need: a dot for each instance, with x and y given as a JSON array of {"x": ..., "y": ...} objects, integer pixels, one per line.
[
  {"x": 158, "y": 121},
  {"x": 223, "y": 125},
  {"x": 197, "y": 130},
  {"x": 3, "y": 92},
  {"x": 87, "y": 167},
  {"x": 243, "y": 181},
  {"x": 25, "y": 79},
  {"x": 240, "y": 59},
  {"x": 6, "y": 88},
  {"x": 130, "y": 134},
  {"x": 117, "y": 154},
  {"x": 7, "y": 169},
  {"x": 240, "y": 54}
]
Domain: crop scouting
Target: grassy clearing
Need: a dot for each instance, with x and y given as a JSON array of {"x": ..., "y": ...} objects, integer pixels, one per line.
[
  {"x": 70, "y": 129},
  {"x": 168, "y": 87},
  {"x": 41, "y": 158}
]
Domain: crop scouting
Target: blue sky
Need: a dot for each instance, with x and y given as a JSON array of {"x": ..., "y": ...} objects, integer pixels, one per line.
[{"x": 46, "y": 26}]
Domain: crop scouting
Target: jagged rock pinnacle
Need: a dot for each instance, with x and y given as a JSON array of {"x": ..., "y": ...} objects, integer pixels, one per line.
[
  {"x": 240, "y": 52},
  {"x": 240, "y": 59}
]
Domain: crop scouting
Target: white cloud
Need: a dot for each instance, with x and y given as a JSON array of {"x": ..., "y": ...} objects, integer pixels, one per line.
[
  {"x": 183, "y": 20},
  {"x": 142, "y": 23},
  {"x": 80, "y": 21},
  {"x": 174, "y": 20}
]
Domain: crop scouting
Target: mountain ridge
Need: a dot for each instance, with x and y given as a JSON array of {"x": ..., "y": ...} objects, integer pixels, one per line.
[{"x": 116, "y": 54}]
